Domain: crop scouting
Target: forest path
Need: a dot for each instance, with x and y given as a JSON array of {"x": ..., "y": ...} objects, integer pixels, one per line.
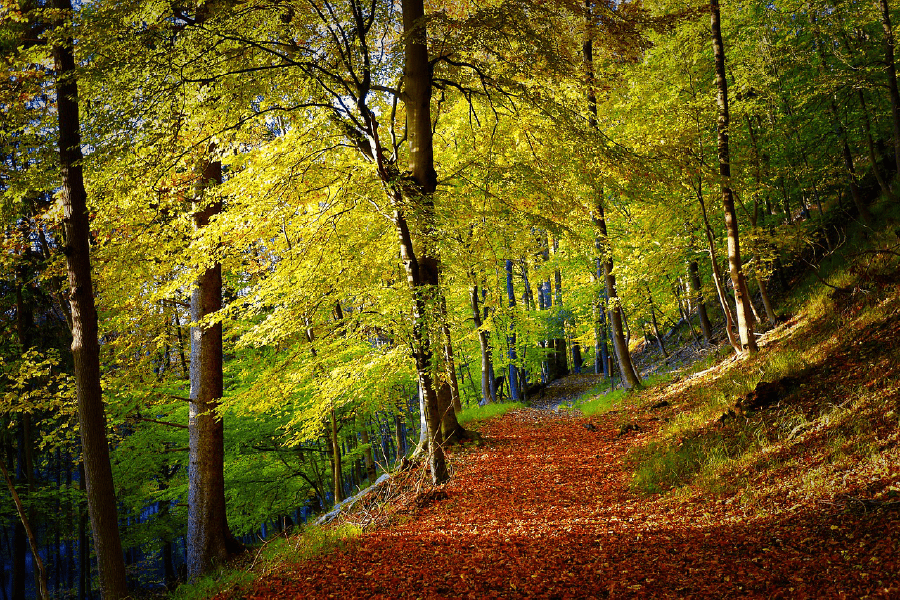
[{"x": 544, "y": 509}]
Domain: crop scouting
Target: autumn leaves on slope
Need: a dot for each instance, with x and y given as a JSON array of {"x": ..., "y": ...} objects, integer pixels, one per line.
[{"x": 545, "y": 510}]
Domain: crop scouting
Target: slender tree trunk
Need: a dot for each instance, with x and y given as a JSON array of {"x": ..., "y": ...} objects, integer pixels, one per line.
[
  {"x": 561, "y": 357},
  {"x": 695, "y": 287},
  {"x": 337, "y": 470},
  {"x": 870, "y": 146},
  {"x": 449, "y": 361},
  {"x": 32, "y": 541},
  {"x": 744, "y": 317},
  {"x": 85, "y": 344},
  {"x": 514, "y": 391},
  {"x": 488, "y": 392},
  {"x": 630, "y": 378},
  {"x": 655, "y": 323},
  {"x": 368, "y": 456}
]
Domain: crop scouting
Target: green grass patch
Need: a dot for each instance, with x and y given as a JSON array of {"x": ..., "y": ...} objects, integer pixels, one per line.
[
  {"x": 601, "y": 403},
  {"x": 488, "y": 411},
  {"x": 267, "y": 558}
]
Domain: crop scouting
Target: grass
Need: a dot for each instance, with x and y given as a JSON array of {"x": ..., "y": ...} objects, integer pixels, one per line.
[
  {"x": 476, "y": 413},
  {"x": 832, "y": 433},
  {"x": 277, "y": 553}
]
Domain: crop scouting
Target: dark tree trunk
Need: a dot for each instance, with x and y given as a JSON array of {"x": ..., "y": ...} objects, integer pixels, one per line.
[
  {"x": 337, "y": 482},
  {"x": 656, "y": 332},
  {"x": 449, "y": 361},
  {"x": 209, "y": 542},
  {"x": 32, "y": 540},
  {"x": 422, "y": 270},
  {"x": 696, "y": 292},
  {"x": 488, "y": 392},
  {"x": 630, "y": 377},
  {"x": 744, "y": 317},
  {"x": 369, "y": 457},
  {"x": 85, "y": 345},
  {"x": 514, "y": 391}
]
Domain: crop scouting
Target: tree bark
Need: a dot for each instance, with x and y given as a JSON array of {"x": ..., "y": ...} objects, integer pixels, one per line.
[
  {"x": 744, "y": 317},
  {"x": 488, "y": 392},
  {"x": 32, "y": 541},
  {"x": 696, "y": 292},
  {"x": 337, "y": 471},
  {"x": 85, "y": 344},
  {"x": 368, "y": 456},
  {"x": 209, "y": 542},
  {"x": 655, "y": 323},
  {"x": 514, "y": 392},
  {"x": 423, "y": 270},
  {"x": 630, "y": 378}
]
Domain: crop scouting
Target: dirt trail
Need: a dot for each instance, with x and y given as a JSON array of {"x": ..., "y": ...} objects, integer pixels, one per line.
[{"x": 544, "y": 510}]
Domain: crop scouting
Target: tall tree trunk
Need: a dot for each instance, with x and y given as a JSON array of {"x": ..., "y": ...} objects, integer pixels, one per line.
[
  {"x": 423, "y": 270},
  {"x": 696, "y": 287},
  {"x": 488, "y": 392},
  {"x": 368, "y": 456},
  {"x": 561, "y": 357},
  {"x": 32, "y": 540},
  {"x": 630, "y": 378},
  {"x": 655, "y": 323},
  {"x": 601, "y": 349},
  {"x": 85, "y": 344},
  {"x": 891, "y": 72},
  {"x": 514, "y": 392},
  {"x": 744, "y": 317},
  {"x": 209, "y": 542},
  {"x": 449, "y": 361},
  {"x": 337, "y": 470}
]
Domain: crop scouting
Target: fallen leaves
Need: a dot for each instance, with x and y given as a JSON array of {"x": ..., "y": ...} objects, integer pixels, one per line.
[{"x": 545, "y": 510}]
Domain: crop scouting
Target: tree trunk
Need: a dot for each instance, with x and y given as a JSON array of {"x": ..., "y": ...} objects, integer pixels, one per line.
[
  {"x": 561, "y": 357},
  {"x": 32, "y": 541},
  {"x": 449, "y": 362},
  {"x": 423, "y": 270},
  {"x": 85, "y": 344},
  {"x": 209, "y": 541},
  {"x": 696, "y": 292},
  {"x": 514, "y": 392},
  {"x": 488, "y": 392},
  {"x": 655, "y": 323},
  {"x": 368, "y": 456},
  {"x": 337, "y": 470},
  {"x": 744, "y": 317},
  {"x": 630, "y": 377}
]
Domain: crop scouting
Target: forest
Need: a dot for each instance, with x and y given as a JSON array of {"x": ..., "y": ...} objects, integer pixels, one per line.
[{"x": 258, "y": 253}]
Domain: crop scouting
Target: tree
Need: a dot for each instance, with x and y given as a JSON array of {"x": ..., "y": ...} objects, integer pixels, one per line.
[
  {"x": 742, "y": 296},
  {"x": 85, "y": 344}
]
